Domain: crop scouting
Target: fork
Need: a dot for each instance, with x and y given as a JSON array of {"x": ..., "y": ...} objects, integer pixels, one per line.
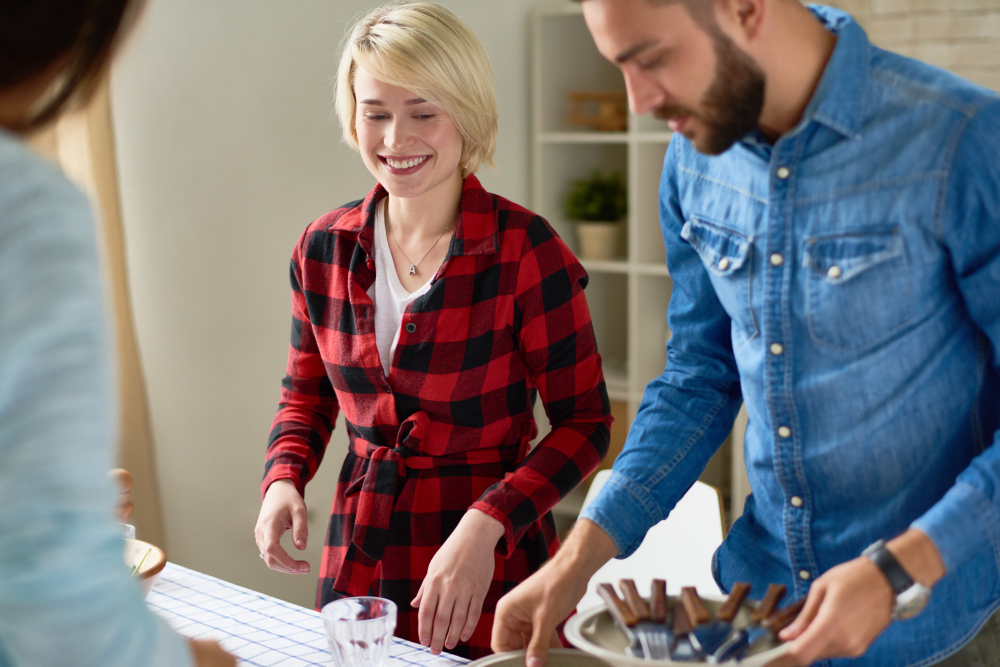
[{"x": 649, "y": 626}]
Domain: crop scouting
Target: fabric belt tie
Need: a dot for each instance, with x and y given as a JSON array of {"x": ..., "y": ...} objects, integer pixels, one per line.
[{"x": 380, "y": 485}]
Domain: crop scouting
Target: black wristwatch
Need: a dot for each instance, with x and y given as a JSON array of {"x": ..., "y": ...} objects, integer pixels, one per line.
[{"x": 911, "y": 597}]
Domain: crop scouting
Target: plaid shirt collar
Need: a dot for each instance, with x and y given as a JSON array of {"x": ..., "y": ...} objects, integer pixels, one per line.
[{"x": 477, "y": 232}]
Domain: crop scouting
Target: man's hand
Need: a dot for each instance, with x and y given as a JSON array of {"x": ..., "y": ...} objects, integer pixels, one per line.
[
  {"x": 451, "y": 597},
  {"x": 210, "y": 654},
  {"x": 283, "y": 508},
  {"x": 527, "y": 616},
  {"x": 851, "y": 604}
]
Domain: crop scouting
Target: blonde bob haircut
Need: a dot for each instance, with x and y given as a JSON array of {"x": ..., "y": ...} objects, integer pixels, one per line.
[{"x": 426, "y": 49}]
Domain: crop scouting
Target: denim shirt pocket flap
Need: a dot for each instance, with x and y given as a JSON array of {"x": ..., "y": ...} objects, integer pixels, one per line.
[
  {"x": 840, "y": 258},
  {"x": 723, "y": 251}
]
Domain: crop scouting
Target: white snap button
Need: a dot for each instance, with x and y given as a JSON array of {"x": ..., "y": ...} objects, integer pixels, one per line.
[
  {"x": 784, "y": 431},
  {"x": 723, "y": 264},
  {"x": 777, "y": 349},
  {"x": 804, "y": 574},
  {"x": 834, "y": 272},
  {"x": 777, "y": 259},
  {"x": 796, "y": 501},
  {"x": 784, "y": 172}
]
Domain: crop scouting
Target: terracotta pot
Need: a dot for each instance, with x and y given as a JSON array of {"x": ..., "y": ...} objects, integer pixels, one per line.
[{"x": 599, "y": 240}]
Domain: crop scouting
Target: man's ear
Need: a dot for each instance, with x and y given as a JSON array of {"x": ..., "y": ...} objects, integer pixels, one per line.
[{"x": 742, "y": 19}]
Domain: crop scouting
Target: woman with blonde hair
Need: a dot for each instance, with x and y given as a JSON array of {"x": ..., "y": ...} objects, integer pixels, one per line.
[{"x": 430, "y": 313}]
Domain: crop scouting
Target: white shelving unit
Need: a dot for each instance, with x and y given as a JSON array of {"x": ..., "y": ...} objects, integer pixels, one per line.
[{"x": 628, "y": 296}]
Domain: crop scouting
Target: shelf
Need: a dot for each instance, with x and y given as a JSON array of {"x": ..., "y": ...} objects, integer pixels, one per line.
[
  {"x": 648, "y": 269},
  {"x": 583, "y": 137},
  {"x": 624, "y": 266},
  {"x": 605, "y": 265},
  {"x": 654, "y": 137}
]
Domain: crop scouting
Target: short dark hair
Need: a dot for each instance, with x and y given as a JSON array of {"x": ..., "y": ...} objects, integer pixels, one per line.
[{"x": 35, "y": 34}]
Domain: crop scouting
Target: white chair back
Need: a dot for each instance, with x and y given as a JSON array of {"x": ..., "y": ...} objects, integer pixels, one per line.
[{"x": 678, "y": 549}]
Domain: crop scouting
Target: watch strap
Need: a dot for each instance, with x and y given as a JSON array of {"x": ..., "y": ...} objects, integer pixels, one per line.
[{"x": 899, "y": 580}]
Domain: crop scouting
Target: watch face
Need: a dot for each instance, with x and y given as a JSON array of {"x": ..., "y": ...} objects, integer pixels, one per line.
[{"x": 911, "y": 602}]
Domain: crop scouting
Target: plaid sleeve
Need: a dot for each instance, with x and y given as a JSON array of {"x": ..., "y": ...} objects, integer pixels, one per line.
[
  {"x": 557, "y": 341},
  {"x": 308, "y": 407}
]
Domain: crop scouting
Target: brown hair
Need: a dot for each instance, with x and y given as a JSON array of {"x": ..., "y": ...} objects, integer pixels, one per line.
[{"x": 35, "y": 35}]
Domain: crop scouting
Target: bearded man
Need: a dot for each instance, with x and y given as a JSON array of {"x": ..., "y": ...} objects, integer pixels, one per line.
[{"x": 831, "y": 216}]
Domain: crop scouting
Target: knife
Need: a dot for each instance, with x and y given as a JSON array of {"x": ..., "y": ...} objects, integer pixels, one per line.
[
  {"x": 737, "y": 644},
  {"x": 682, "y": 650},
  {"x": 652, "y": 635},
  {"x": 623, "y": 615},
  {"x": 780, "y": 620},
  {"x": 708, "y": 637}
]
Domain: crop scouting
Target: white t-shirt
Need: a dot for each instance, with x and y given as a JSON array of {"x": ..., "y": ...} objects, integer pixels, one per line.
[{"x": 388, "y": 294}]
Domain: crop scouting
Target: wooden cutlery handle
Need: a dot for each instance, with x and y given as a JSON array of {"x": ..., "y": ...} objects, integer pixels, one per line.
[
  {"x": 694, "y": 607},
  {"x": 682, "y": 626},
  {"x": 727, "y": 612},
  {"x": 780, "y": 620},
  {"x": 658, "y": 601},
  {"x": 621, "y": 611},
  {"x": 770, "y": 602},
  {"x": 634, "y": 600}
]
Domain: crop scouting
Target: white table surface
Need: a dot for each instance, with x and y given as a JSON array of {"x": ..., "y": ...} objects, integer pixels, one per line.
[{"x": 258, "y": 629}]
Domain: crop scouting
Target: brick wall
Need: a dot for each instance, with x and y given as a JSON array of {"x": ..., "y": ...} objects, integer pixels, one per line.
[{"x": 962, "y": 36}]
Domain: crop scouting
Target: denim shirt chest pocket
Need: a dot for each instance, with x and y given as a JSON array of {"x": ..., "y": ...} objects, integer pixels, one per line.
[
  {"x": 728, "y": 256},
  {"x": 859, "y": 291}
]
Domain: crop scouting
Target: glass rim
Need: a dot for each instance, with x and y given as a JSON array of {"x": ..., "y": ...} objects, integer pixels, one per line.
[{"x": 391, "y": 609}]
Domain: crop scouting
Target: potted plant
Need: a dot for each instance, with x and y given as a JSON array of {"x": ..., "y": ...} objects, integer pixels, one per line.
[{"x": 598, "y": 205}]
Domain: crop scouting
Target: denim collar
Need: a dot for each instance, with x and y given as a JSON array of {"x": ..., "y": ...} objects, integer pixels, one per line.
[{"x": 837, "y": 102}]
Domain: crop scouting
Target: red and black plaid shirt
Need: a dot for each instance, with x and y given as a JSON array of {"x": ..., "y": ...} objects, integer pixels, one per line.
[{"x": 450, "y": 427}]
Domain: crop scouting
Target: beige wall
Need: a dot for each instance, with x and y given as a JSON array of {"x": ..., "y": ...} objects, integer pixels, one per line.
[
  {"x": 227, "y": 150},
  {"x": 959, "y": 35}
]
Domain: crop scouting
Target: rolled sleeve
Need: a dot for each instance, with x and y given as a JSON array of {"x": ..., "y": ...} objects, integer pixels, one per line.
[{"x": 625, "y": 511}]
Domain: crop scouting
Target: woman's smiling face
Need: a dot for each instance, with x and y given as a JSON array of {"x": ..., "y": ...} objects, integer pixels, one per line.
[{"x": 410, "y": 146}]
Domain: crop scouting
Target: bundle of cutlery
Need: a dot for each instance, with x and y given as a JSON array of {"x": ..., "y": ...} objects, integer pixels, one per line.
[{"x": 686, "y": 631}]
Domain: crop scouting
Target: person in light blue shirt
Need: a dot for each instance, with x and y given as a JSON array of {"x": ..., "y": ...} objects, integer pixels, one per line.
[
  {"x": 66, "y": 597},
  {"x": 831, "y": 216}
]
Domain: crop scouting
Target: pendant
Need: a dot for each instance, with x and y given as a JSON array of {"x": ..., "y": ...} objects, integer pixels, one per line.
[{"x": 413, "y": 269}]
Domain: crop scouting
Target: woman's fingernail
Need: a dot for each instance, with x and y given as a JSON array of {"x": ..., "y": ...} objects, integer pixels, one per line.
[{"x": 534, "y": 661}]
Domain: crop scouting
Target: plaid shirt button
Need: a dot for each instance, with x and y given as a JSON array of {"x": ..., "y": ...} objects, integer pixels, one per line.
[{"x": 411, "y": 327}]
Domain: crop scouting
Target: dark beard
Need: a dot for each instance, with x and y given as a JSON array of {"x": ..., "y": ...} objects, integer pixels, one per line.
[{"x": 732, "y": 105}]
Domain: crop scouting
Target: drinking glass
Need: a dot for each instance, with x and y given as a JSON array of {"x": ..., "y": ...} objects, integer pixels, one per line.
[{"x": 359, "y": 630}]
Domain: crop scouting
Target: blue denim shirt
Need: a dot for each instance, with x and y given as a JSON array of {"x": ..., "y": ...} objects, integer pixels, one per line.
[{"x": 845, "y": 284}]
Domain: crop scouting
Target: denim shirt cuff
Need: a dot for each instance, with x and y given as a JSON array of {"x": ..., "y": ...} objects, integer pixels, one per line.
[
  {"x": 951, "y": 524},
  {"x": 624, "y": 510}
]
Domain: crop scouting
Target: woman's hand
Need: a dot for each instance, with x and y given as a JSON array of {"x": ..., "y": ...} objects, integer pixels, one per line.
[
  {"x": 283, "y": 508},
  {"x": 452, "y": 594}
]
